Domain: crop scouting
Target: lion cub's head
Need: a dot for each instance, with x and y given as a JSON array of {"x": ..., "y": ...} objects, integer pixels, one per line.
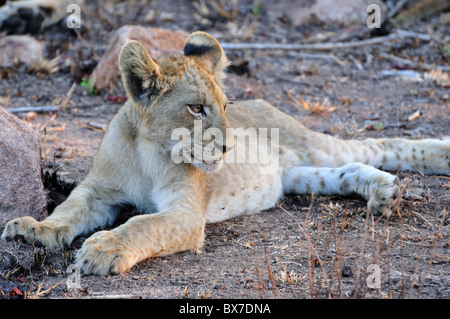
[{"x": 180, "y": 99}]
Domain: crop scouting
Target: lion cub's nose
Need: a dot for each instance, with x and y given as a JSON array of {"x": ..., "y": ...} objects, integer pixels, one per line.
[{"x": 226, "y": 149}]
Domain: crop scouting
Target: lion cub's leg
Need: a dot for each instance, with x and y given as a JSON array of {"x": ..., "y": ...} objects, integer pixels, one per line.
[
  {"x": 178, "y": 226},
  {"x": 429, "y": 156},
  {"x": 377, "y": 187},
  {"x": 88, "y": 207},
  {"x": 141, "y": 237}
]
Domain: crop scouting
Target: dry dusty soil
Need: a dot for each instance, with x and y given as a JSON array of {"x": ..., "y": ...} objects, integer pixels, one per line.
[{"x": 307, "y": 246}]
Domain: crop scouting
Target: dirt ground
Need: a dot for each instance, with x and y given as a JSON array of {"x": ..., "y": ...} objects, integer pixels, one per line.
[{"x": 306, "y": 247}]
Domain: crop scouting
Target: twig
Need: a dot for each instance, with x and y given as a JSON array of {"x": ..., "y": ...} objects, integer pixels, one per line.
[
  {"x": 37, "y": 109},
  {"x": 421, "y": 9},
  {"x": 96, "y": 126},
  {"x": 40, "y": 293},
  {"x": 412, "y": 64},
  {"x": 361, "y": 253},
  {"x": 320, "y": 56},
  {"x": 396, "y": 9},
  {"x": 398, "y": 34},
  {"x": 286, "y": 101},
  {"x": 274, "y": 285},
  {"x": 411, "y": 34},
  {"x": 68, "y": 96},
  {"x": 413, "y": 116},
  {"x": 426, "y": 221},
  {"x": 306, "y": 46},
  {"x": 17, "y": 258},
  {"x": 418, "y": 171},
  {"x": 356, "y": 62},
  {"x": 258, "y": 273},
  {"x": 311, "y": 285},
  {"x": 336, "y": 256},
  {"x": 297, "y": 102},
  {"x": 289, "y": 279},
  {"x": 45, "y": 109},
  {"x": 44, "y": 126}
]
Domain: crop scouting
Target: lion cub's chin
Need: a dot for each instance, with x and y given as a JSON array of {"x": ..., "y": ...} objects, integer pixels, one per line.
[{"x": 209, "y": 167}]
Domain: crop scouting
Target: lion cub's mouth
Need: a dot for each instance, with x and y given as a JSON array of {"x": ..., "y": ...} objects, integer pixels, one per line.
[{"x": 217, "y": 160}]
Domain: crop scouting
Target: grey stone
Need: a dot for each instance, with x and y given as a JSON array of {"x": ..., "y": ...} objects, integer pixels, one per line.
[{"x": 21, "y": 189}]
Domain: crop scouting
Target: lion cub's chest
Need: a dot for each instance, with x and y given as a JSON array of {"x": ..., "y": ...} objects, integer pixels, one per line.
[{"x": 241, "y": 189}]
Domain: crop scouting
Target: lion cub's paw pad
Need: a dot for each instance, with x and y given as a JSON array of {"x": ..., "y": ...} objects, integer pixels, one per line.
[
  {"x": 22, "y": 229},
  {"x": 386, "y": 195},
  {"x": 37, "y": 233},
  {"x": 104, "y": 253}
]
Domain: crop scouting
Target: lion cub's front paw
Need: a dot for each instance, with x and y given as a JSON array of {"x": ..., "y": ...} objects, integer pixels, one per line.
[
  {"x": 386, "y": 194},
  {"x": 105, "y": 253},
  {"x": 34, "y": 232}
]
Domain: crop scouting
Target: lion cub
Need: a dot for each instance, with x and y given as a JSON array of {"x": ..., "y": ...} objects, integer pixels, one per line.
[{"x": 183, "y": 156}]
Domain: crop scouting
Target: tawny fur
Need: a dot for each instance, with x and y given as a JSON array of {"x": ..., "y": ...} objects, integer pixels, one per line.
[{"x": 135, "y": 165}]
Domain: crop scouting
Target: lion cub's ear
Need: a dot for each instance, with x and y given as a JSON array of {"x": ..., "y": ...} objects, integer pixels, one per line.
[
  {"x": 140, "y": 73},
  {"x": 206, "y": 49}
]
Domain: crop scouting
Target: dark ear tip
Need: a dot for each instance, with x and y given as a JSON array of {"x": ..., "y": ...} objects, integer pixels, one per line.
[
  {"x": 206, "y": 49},
  {"x": 191, "y": 49}
]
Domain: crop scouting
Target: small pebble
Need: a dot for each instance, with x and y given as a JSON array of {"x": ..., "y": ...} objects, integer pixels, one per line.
[{"x": 346, "y": 271}]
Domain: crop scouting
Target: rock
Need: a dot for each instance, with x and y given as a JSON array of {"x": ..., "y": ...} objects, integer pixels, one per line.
[
  {"x": 337, "y": 12},
  {"x": 21, "y": 190},
  {"x": 159, "y": 42},
  {"x": 346, "y": 271},
  {"x": 23, "y": 48}
]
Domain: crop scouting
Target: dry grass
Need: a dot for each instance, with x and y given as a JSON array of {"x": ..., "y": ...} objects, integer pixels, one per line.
[{"x": 338, "y": 247}]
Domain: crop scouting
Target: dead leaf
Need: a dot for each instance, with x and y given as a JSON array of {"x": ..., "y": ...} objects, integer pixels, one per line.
[
  {"x": 346, "y": 100},
  {"x": 22, "y": 278},
  {"x": 15, "y": 293},
  {"x": 305, "y": 106},
  {"x": 116, "y": 98},
  {"x": 413, "y": 116}
]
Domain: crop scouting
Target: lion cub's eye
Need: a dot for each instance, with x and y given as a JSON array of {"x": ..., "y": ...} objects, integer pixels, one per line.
[{"x": 198, "y": 109}]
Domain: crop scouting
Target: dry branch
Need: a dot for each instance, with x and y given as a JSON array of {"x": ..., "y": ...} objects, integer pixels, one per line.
[
  {"x": 95, "y": 126},
  {"x": 397, "y": 8},
  {"x": 397, "y": 35},
  {"x": 37, "y": 109},
  {"x": 44, "y": 109},
  {"x": 330, "y": 57},
  {"x": 306, "y": 46}
]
